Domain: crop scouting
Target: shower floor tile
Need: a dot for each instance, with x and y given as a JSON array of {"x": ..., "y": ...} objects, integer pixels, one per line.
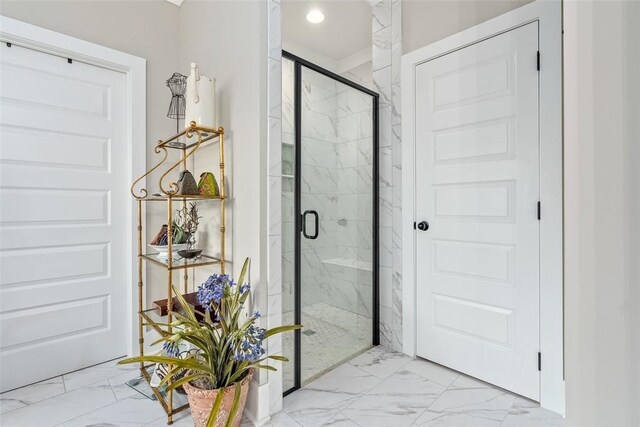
[{"x": 330, "y": 335}]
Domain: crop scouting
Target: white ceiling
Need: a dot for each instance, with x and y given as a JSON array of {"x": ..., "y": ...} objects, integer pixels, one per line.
[{"x": 345, "y": 31}]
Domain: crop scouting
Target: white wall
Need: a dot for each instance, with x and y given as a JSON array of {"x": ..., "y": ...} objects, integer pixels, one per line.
[
  {"x": 223, "y": 49},
  {"x": 602, "y": 213},
  {"x": 427, "y": 21},
  {"x": 228, "y": 40}
]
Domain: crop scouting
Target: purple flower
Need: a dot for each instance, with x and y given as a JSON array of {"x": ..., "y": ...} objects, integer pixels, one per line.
[
  {"x": 171, "y": 348},
  {"x": 213, "y": 290},
  {"x": 250, "y": 347}
]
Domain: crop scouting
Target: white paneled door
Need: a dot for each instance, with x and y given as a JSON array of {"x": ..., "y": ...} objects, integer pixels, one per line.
[
  {"x": 62, "y": 224},
  {"x": 477, "y": 188}
]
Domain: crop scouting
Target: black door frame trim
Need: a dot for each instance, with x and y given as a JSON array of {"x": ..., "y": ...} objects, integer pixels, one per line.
[{"x": 375, "y": 332}]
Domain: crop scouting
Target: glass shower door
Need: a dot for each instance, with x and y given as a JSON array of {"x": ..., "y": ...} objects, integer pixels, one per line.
[{"x": 335, "y": 197}]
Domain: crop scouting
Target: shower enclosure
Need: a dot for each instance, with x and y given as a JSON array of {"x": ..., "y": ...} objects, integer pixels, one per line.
[{"x": 330, "y": 219}]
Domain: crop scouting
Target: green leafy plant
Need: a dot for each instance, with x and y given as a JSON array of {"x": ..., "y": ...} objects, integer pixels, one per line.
[
  {"x": 179, "y": 234},
  {"x": 227, "y": 346}
]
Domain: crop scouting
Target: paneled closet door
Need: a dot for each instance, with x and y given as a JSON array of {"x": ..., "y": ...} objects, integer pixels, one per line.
[
  {"x": 477, "y": 192},
  {"x": 63, "y": 237}
]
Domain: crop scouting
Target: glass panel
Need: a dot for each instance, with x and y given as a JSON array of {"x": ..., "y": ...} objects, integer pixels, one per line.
[
  {"x": 288, "y": 224},
  {"x": 336, "y": 183}
]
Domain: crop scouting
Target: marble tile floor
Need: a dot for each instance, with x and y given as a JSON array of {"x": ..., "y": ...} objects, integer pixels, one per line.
[
  {"x": 382, "y": 388},
  {"x": 377, "y": 388}
]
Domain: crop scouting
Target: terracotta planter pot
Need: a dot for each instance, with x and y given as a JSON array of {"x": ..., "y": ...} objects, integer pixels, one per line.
[{"x": 201, "y": 402}]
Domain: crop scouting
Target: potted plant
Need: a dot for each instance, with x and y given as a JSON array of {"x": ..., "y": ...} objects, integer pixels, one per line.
[{"x": 225, "y": 350}]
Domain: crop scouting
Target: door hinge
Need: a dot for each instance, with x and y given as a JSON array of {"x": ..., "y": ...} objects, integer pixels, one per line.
[
  {"x": 539, "y": 361},
  {"x": 539, "y": 211},
  {"x": 538, "y": 60}
]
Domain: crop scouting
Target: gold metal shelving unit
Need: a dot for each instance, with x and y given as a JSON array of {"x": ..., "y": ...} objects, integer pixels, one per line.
[{"x": 196, "y": 135}]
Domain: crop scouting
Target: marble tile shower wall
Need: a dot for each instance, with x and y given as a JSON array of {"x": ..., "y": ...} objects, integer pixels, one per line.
[
  {"x": 355, "y": 199},
  {"x": 386, "y": 57},
  {"x": 337, "y": 183}
]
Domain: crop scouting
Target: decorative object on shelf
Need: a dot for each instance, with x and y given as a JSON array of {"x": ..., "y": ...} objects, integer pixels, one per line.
[
  {"x": 188, "y": 220},
  {"x": 177, "y": 83},
  {"x": 180, "y": 240},
  {"x": 208, "y": 186},
  {"x": 161, "y": 234},
  {"x": 200, "y": 99},
  {"x": 190, "y": 253},
  {"x": 163, "y": 250},
  {"x": 187, "y": 184},
  {"x": 160, "y": 306},
  {"x": 228, "y": 349}
]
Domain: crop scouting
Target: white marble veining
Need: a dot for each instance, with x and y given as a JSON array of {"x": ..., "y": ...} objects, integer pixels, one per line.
[
  {"x": 383, "y": 33},
  {"x": 380, "y": 362},
  {"x": 382, "y": 85},
  {"x": 340, "y": 420},
  {"x": 274, "y": 28},
  {"x": 398, "y": 400},
  {"x": 127, "y": 412},
  {"x": 377, "y": 388},
  {"x": 385, "y": 245},
  {"x": 31, "y": 394},
  {"x": 525, "y": 413},
  {"x": 385, "y": 388},
  {"x": 61, "y": 408},
  {"x": 274, "y": 135},
  {"x": 386, "y": 59},
  {"x": 94, "y": 374},
  {"x": 396, "y": 21},
  {"x": 396, "y": 59},
  {"x": 312, "y": 408},
  {"x": 381, "y": 15},
  {"x": 274, "y": 91},
  {"x": 381, "y": 45}
]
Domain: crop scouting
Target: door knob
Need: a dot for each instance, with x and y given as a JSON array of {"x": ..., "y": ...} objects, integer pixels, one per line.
[{"x": 423, "y": 226}]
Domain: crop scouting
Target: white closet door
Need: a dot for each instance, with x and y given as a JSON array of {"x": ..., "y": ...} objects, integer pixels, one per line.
[
  {"x": 477, "y": 185},
  {"x": 63, "y": 181}
]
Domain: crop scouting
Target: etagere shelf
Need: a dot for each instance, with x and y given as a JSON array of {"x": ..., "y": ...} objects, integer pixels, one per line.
[{"x": 195, "y": 136}]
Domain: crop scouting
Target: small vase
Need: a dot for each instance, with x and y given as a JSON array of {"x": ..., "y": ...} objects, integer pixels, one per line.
[{"x": 201, "y": 402}]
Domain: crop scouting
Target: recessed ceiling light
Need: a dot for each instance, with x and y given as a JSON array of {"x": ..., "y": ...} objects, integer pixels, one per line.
[{"x": 315, "y": 16}]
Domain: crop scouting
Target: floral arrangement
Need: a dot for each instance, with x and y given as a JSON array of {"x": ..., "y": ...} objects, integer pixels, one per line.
[{"x": 227, "y": 343}]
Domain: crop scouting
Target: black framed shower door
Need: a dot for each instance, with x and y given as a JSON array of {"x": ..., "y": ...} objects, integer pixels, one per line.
[{"x": 335, "y": 210}]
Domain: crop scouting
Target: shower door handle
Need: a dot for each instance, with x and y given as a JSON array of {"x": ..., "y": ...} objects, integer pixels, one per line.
[{"x": 304, "y": 224}]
